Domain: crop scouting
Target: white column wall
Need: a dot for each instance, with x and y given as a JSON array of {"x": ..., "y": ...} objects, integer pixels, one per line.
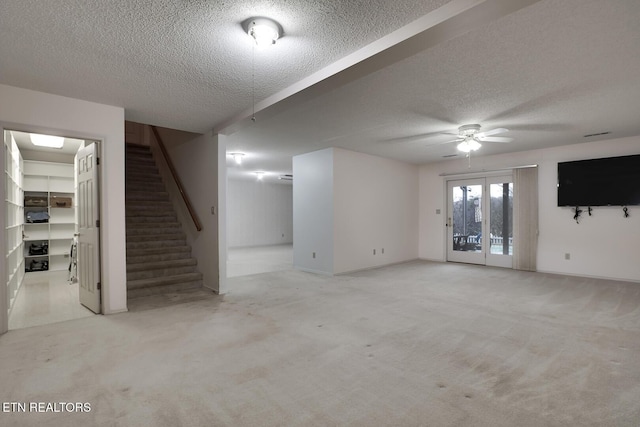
[
  {"x": 259, "y": 213},
  {"x": 32, "y": 111},
  {"x": 605, "y": 245},
  {"x": 313, "y": 211},
  {"x": 375, "y": 209},
  {"x": 196, "y": 163}
]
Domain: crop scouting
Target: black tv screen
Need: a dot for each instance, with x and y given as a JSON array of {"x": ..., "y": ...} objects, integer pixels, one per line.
[{"x": 612, "y": 181}]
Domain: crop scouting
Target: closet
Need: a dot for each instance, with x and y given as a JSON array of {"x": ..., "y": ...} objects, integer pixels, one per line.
[{"x": 40, "y": 225}]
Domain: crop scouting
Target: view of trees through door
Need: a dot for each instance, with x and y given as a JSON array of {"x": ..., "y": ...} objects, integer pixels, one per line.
[{"x": 480, "y": 221}]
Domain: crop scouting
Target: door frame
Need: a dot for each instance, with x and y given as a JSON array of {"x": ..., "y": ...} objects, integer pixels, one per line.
[
  {"x": 487, "y": 178},
  {"x": 5, "y": 126},
  {"x": 453, "y": 255}
]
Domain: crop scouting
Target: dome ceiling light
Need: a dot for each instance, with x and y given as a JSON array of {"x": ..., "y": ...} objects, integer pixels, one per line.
[{"x": 264, "y": 31}]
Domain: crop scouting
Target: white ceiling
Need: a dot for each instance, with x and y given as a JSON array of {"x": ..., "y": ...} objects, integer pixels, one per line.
[{"x": 367, "y": 75}]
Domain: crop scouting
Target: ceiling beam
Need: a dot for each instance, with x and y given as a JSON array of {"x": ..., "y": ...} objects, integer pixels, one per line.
[{"x": 452, "y": 20}]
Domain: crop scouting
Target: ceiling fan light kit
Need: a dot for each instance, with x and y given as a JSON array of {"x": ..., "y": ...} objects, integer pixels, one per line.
[
  {"x": 469, "y": 144},
  {"x": 469, "y": 137}
]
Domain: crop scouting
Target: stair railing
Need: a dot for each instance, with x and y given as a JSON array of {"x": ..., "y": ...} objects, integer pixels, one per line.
[{"x": 174, "y": 174}]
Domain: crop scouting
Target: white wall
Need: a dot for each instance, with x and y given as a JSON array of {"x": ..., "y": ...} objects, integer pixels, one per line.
[
  {"x": 375, "y": 208},
  {"x": 196, "y": 163},
  {"x": 313, "y": 211},
  {"x": 259, "y": 213},
  {"x": 605, "y": 245},
  {"x": 32, "y": 111}
]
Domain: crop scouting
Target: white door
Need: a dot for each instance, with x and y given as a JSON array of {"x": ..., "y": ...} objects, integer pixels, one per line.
[
  {"x": 479, "y": 221},
  {"x": 465, "y": 221},
  {"x": 88, "y": 232}
]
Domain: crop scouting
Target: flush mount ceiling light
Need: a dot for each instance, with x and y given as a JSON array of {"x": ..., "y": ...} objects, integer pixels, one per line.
[
  {"x": 260, "y": 175},
  {"x": 48, "y": 141},
  {"x": 264, "y": 31},
  {"x": 237, "y": 157}
]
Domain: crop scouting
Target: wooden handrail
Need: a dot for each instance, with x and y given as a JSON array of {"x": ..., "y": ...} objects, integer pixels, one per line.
[{"x": 187, "y": 202}]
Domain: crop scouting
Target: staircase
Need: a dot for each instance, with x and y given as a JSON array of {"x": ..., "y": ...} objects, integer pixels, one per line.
[{"x": 158, "y": 257}]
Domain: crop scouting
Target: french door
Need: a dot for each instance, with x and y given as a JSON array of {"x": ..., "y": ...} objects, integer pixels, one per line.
[{"x": 480, "y": 221}]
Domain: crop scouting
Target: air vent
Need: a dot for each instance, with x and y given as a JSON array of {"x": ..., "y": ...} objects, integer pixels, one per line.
[
  {"x": 450, "y": 155},
  {"x": 287, "y": 177},
  {"x": 597, "y": 134}
]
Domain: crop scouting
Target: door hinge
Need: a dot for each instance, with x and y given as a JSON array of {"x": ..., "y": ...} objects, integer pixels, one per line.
[
  {"x": 97, "y": 161},
  {"x": 99, "y": 285},
  {"x": 98, "y": 223}
]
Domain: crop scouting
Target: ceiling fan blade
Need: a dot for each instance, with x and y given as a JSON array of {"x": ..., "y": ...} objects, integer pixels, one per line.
[
  {"x": 491, "y": 132},
  {"x": 495, "y": 139}
]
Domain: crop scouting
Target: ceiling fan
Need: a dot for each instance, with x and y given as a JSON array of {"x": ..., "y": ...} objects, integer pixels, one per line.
[{"x": 470, "y": 138}]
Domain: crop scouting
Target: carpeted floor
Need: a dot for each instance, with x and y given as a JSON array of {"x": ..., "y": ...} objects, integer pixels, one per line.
[{"x": 418, "y": 344}]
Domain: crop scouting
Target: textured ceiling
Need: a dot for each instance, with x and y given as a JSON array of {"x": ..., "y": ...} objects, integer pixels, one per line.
[
  {"x": 177, "y": 63},
  {"x": 550, "y": 72}
]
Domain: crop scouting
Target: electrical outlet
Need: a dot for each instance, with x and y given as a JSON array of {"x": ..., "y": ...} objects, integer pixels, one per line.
[
  {"x": 567, "y": 256},
  {"x": 437, "y": 211},
  {"x": 374, "y": 251},
  {"x": 313, "y": 255},
  {"x": 382, "y": 251}
]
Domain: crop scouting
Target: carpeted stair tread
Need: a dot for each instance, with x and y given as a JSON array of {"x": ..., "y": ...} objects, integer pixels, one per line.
[
  {"x": 156, "y": 244},
  {"x": 163, "y": 289},
  {"x": 159, "y": 265},
  {"x": 147, "y": 203},
  {"x": 142, "y": 252},
  {"x": 148, "y": 231},
  {"x": 160, "y": 273},
  {"x": 139, "y": 226},
  {"x": 167, "y": 280},
  {"x": 147, "y": 195},
  {"x": 134, "y": 218},
  {"x": 158, "y": 257},
  {"x": 177, "y": 235},
  {"x": 148, "y": 211}
]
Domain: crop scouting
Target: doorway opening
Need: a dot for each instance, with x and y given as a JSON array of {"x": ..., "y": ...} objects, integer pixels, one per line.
[
  {"x": 51, "y": 194},
  {"x": 480, "y": 221},
  {"x": 260, "y": 224}
]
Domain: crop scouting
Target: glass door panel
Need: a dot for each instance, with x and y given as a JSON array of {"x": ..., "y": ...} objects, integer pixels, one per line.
[
  {"x": 465, "y": 221},
  {"x": 500, "y": 251}
]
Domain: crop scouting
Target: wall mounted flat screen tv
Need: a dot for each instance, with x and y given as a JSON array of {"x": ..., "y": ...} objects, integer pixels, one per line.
[{"x": 611, "y": 181}]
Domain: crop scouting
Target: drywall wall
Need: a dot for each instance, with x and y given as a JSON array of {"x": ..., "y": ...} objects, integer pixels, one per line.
[
  {"x": 313, "y": 211},
  {"x": 259, "y": 213},
  {"x": 32, "y": 111},
  {"x": 195, "y": 162},
  {"x": 604, "y": 245},
  {"x": 375, "y": 211}
]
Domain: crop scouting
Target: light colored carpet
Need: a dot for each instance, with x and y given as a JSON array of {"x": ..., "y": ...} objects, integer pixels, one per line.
[
  {"x": 418, "y": 344},
  {"x": 259, "y": 259}
]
